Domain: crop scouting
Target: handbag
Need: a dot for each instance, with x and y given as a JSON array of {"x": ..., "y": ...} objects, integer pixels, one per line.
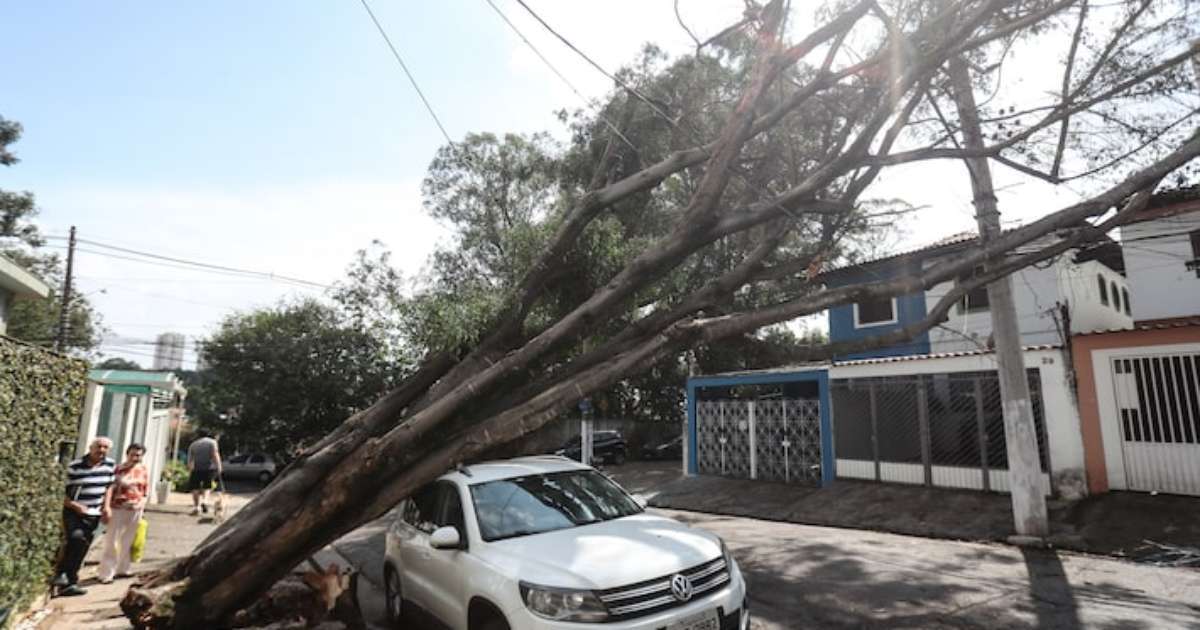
[{"x": 139, "y": 541}]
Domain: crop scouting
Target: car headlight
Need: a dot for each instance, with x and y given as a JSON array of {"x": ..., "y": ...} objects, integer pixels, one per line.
[
  {"x": 562, "y": 604},
  {"x": 729, "y": 564}
]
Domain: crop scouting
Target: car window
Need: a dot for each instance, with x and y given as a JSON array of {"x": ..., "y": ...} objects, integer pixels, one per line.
[
  {"x": 541, "y": 503},
  {"x": 257, "y": 459},
  {"x": 421, "y": 510},
  {"x": 237, "y": 459},
  {"x": 452, "y": 512}
]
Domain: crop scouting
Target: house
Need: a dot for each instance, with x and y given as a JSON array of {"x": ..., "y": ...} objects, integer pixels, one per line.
[
  {"x": 1081, "y": 289},
  {"x": 927, "y": 411},
  {"x": 17, "y": 283},
  {"x": 1139, "y": 388},
  {"x": 133, "y": 406}
]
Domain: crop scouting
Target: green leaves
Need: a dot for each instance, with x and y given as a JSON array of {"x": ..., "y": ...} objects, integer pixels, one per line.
[{"x": 41, "y": 397}]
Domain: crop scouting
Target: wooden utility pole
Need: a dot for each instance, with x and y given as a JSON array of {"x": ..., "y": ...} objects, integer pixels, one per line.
[
  {"x": 1024, "y": 467},
  {"x": 60, "y": 340}
]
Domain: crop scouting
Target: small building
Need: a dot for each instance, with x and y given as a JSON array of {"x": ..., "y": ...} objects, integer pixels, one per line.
[
  {"x": 1139, "y": 389},
  {"x": 133, "y": 406},
  {"x": 17, "y": 283}
]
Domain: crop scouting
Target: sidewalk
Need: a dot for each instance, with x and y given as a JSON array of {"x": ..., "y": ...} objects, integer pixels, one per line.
[
  {"x": 1133, "y": 525},
  {"x": 172, "y": 533}
]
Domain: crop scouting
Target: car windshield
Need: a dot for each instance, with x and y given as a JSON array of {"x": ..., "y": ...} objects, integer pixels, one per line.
[{"x": 507, "y": 508}]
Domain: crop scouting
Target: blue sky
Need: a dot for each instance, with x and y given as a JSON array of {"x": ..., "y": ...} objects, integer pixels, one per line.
[{"x": 282, "y": 136}]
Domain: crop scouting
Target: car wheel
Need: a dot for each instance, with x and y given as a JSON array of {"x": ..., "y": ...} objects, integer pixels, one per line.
[
  {"x": 394, "y": 597},
  {"x": 264, "y": 477}
]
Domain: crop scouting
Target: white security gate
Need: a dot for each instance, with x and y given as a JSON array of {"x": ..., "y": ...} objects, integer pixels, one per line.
[
  {"x": 1158, "y": 415},
  {"x": 765, "y": 439}
]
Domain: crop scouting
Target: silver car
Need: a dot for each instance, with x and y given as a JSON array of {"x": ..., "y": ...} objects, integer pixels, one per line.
[{"x": 249, "y": 466}]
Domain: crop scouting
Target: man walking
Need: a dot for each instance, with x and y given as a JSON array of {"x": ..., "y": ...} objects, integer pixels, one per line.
[
  {"x": 87, "y": 505},
  {"x": 204, "y": 461}
]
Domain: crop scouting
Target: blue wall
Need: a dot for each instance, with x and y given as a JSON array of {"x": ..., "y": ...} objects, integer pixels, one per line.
[
  {"x": 909, "y": 308},
  {"x": 820, "y": 377}
]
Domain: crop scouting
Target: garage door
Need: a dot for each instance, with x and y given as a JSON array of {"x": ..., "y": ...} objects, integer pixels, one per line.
[{"x": 1158, "y": 412}]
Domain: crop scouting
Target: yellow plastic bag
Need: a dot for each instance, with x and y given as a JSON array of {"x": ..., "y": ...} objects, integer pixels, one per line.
[{"x": 139, "y": 541}]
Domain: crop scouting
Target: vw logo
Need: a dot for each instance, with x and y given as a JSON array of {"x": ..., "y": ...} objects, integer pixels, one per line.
[{"x": 681, "y": 587}]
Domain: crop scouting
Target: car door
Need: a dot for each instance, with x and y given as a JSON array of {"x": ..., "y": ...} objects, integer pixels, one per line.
[
  {"x": 447, "y": 581},
  {"x": 420, "y": 516},
  {"x": 234, "y": 467}
]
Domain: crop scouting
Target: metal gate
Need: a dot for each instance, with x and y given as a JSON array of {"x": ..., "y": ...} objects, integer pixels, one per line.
[
  {"x": 760, "y": 439},
  {"x": 1158, "y": 406}
]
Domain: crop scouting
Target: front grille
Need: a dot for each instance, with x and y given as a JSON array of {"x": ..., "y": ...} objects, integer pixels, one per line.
[{"x": 651, "y": 596}]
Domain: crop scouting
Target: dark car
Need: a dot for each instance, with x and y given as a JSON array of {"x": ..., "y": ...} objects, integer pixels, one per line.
[
  {"x": 607, "y": 447},
  {"x": 671, "y": 449}
]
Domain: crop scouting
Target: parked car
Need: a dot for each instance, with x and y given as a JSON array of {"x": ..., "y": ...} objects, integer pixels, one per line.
[
  {"x": 541, "y": 543},
  {"x": 671, "y": 449},
  {"x": 607, "y": 447},
  {"x": 249, "y": 466}
]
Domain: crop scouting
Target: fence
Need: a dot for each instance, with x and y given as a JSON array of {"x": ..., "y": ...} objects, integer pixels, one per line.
[
  {"x": 932, "y": 429},
  {"x": 776, "y": 440}
]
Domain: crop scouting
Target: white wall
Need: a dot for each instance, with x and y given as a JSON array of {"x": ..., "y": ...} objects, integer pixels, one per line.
[
  {"x": 1036, "y": 292},
  {"x": 1063, "y": 436},
  {"x": 1155, "y": 253}
]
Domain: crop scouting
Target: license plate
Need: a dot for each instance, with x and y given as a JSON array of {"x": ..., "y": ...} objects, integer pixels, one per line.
[{"x": 706, "y": 620}]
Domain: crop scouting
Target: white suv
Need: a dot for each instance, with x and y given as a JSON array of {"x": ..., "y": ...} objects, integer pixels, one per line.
[{"x": 545, "y": 542}]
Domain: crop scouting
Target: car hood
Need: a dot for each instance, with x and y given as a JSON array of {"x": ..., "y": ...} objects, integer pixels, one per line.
[{"x": 603, "y": 555}]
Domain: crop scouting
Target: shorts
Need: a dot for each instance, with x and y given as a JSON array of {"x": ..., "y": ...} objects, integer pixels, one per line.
[{"x": 201, "y": 480}]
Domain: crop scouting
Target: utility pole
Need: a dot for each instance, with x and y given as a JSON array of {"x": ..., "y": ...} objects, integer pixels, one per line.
[
  {"x": 1024, "y": 467},
  {"x": 60, "y": 341}
]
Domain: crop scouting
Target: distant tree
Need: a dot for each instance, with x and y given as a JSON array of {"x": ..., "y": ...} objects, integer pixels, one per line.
[
  {"x": 37, "y": 321},
  {"x": 117, "y": 363},
  {"x": 280, "y": 377}
]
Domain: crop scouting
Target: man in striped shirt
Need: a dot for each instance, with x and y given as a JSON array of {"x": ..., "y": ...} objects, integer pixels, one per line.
[{"x": 87, "y": 505}]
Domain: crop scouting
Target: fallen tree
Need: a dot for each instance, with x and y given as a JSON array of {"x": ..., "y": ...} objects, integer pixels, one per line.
[{"x": 886, "y": 107}]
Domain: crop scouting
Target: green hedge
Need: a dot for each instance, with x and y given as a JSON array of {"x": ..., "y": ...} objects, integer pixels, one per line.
[{"x": 41, "y": 397}]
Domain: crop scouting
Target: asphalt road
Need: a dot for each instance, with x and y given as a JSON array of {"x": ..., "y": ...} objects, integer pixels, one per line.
[{"x": 803, "y": 576}]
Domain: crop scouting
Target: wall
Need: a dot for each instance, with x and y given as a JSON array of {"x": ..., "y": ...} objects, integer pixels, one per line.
[
  {"x": 1035, "y": 295},
  {"x": 1088, "y": 313},
  {"x": 1155, "y": 253},
  {"x": 41, "y": 394},
  {"x": 1087, "y": 363},
  {"x": 909, "y": 308},
  {"x": 1063, "y": 437}
]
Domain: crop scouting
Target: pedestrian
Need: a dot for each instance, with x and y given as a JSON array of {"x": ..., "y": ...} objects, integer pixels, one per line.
[
  {"x": 204, "y": 462},
  {"x": 131, "y": 484},
  {"x": 86, "y": 506}
]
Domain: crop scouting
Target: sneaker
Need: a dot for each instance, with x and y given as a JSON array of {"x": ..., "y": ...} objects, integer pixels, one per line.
[
  {"x": 204, "y": 507},
  {"x": 106, "y": 580},
  {"x": 195, "y": 511},
  {"x": 72, "y": 590}
]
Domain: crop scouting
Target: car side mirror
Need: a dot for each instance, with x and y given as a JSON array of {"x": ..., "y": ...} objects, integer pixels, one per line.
[{"x": 445, "y": 538}]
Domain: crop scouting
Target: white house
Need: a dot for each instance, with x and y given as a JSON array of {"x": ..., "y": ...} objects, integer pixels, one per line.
[
  {"x": 16, "y": 282},
  {"x": 1162, "y": 262}
]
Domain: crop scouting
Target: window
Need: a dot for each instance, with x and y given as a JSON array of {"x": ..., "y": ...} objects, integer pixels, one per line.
[
  {"x": 1116, "y": 297},
  {"x": 521, "y": 506},
  {"x": 976, "y": 300},
  {"x": 257, "y": 459},
  {"x": 1125, "y": 296},
  {"x": 875, "y": 312},
  {"x": 238, "y": 459},
  {"x": 1103, "y": 290},
  {"x": 421, "y": 510}
]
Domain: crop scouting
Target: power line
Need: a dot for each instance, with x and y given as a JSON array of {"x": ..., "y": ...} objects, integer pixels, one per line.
[
  {"x": 404, "y": 67},
  {"x": 561, "y": 76},
  {"x": 192, "y": 263},
  {"x": 628, "y": 88}
]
